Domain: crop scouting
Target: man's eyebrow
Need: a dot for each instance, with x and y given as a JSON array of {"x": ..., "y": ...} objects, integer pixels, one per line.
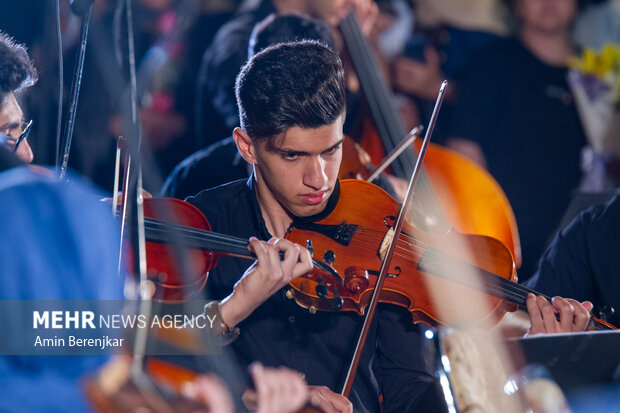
[
  {"x": 285, "y": 150},
  {"x": 10, "y": 125},
  {"x": 334, "y": 145}
]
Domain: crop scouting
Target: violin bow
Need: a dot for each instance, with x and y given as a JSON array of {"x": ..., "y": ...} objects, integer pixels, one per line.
[
  {"x": 374, "y": 300},
  {"x": 394, "y": 153},
  {"x": 81, "y": 8}
]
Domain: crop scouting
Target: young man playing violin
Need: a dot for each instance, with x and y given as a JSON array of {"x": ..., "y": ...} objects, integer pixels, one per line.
[{"x": 291, "y": 100}]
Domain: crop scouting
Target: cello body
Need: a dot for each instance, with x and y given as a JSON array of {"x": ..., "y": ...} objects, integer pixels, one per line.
[{"x": 451, "y": 191}]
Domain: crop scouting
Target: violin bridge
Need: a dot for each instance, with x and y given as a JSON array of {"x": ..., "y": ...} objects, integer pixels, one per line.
[{"x": 385, "y": 243}]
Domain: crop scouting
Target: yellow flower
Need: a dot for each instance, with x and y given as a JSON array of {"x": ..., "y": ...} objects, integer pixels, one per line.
[{"x": 604, "y": 64}]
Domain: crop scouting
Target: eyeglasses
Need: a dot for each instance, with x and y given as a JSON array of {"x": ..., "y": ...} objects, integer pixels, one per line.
[{"x": 22, "y": 136}]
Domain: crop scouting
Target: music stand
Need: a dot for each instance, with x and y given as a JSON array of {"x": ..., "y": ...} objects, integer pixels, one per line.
[{"x": 575, "y": 360}]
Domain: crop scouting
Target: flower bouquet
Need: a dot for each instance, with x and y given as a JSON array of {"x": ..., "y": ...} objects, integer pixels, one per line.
[
  {"x": 594, "y": 78},
  {"x": 595, "y": 81}
]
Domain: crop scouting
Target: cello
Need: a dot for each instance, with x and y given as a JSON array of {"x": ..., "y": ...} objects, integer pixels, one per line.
[{"x": 451, "y": 191}]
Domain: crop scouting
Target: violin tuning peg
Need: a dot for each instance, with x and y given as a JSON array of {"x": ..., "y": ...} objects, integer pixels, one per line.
[
  {"x": 321, "y": 290},
  {"x": 606, "y": 313},
  {"x": 310, "y": 247},
  {"x": 337, "y": 302},
  {"x": 289, "y": 294},
  {"x": 329, "y": 257}
]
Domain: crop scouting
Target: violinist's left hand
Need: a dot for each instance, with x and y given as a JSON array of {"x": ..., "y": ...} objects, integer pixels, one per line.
[
  {"x": 264, "y": 277},
  {"x": 573, "y": 315}
]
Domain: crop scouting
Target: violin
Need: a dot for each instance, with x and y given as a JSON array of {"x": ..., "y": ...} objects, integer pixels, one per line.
[
  {"x": 181, "y": 249},
  {"x": 428, "y": 274},
  {"x": 440, "y": 279}
]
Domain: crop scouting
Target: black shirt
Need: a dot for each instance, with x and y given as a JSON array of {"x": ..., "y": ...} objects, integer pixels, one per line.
[
  {"x": 209, "y": 167},
  {"x": 521, "y": 112},
  {"x": 583, "y": 261},
  {"x": 320, "y": 345}
]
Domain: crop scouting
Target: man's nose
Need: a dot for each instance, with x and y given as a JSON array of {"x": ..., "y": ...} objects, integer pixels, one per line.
[{"x": 315, "y": 175}]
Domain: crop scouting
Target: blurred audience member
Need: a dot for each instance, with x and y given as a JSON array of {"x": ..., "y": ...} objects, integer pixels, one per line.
[
  {"x": 216, "y": 108},
  {"x": 447, "y": 36},
  {"x": 515, "y": 115}
]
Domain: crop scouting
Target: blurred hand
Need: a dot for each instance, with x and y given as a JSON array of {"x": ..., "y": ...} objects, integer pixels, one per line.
[
  {"x": 422, "y": 79},
  {"x": 468, "y": 149},
  {"x": 366, "y": 11},
  {"x": 328, "y": 401},
  {"x": 573, "y": 315},
  {"x": 210, "y": 391},
  {"x": 278, "y": 390}
]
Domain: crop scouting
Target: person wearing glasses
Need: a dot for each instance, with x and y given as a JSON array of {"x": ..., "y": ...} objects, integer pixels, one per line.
[{"x": 17, "y": 72}]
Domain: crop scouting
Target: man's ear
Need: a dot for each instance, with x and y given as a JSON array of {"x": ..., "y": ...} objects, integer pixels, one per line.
[{"x": 245, "y": 145}]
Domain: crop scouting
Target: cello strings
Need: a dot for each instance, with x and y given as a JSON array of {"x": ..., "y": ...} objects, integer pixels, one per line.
[
  {"x": 356, "y": 52},
  {"x": 386, "y": 118}
]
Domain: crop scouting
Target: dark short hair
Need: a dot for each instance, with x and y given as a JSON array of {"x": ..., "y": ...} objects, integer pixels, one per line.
[
  {"x": 290, "y": 84},
  {"x": 16, "y": 69},
  {"x": 284, "y": 28}
]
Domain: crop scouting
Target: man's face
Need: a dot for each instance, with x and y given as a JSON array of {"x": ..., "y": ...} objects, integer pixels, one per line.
[
  {"x": 547, "y": 15},
  {"x": 299, "y": 170},
  {"x": 11, "y": 117}
]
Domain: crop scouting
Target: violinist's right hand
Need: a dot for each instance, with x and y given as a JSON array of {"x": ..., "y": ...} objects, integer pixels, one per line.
[
  {"x": 266, "y": 276},
  {"x": 328, "y": 401}
]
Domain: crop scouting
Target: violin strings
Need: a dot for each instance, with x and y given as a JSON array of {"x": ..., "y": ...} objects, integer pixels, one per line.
[
  {"x": 496, "y": 285},
  {"x": 196, "y": 231},
  {"x": 196, "y": 234},
  {"x": 508, "y": 289},
  {"x": 201, "y": 242},
  {"x": 191, "y": 234}
]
